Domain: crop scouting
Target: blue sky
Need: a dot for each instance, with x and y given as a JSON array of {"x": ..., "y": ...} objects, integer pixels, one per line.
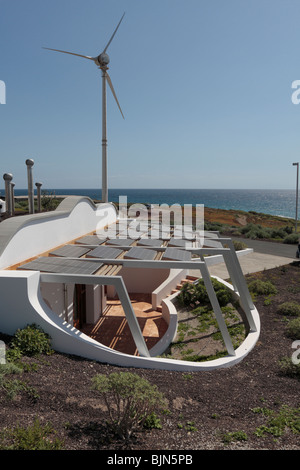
[{"x": 205, "y": 87}]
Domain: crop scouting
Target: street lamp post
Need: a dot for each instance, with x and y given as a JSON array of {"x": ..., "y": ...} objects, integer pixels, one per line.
[{"x": 297, "y": 182}]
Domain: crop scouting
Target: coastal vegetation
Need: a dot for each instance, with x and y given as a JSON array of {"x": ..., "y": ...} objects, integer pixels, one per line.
[
  {"x": 250, "y": 224},
  {"x": 49, "y": 202}
]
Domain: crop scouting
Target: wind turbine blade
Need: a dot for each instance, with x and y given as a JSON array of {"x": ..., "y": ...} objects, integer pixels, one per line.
[
  {"x": 113, "y": 92},
  {"x": 72, "y": 53},
  {"x": 113, "y": 34}
]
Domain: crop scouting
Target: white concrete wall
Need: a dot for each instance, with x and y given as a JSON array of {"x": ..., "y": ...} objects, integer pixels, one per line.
[
  {"x": 161, "y": 292},
  {"x": 27, "y": 307},
  {"x": 143, "y": 280},
  {"x": 58, "y": 300},
  {"x": 37, "y": 236},
  {"x": 93, "y": 303}
]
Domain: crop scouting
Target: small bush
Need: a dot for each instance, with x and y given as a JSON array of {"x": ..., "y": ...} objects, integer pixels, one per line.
[
  {"x": 152, "y": 422},
  {"x": 293, "y": 329},
  {"x": 239, "y": 245},
  {"x": 278, "y": 234},
  {"x": 262, "y": 287},
  {"x": 289, "y": 309},
  {"x": 279, "y": 422},
  {"x": 229, "y": 437},
  {"x": 8, "y": 385},
  {"x": 35, "y": 437},
  {"x": 289, "y": 368},
  {"x": 31, "y": 341},
  {"x": 192, "y": 295},
  {"x": 255, "y": 231},
  {"x": 130, "y": 401},
  {"x": 291, "y": 239}
]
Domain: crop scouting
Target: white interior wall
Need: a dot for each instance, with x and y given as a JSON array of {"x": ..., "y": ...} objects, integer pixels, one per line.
[
  {"x": 141, "y": 280},
  {"x": 93, "y": 303},
  {"x": 59, "y": 300}
]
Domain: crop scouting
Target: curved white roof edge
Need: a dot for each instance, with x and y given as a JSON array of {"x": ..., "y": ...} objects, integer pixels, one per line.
[
  {"x": 28, "y": 307},
  {"x": 24, "y": 237}
]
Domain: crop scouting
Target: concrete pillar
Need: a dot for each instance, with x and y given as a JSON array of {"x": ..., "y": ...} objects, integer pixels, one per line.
[
  {"x": 29, "y": 163},
  {"x": 12, "y": 198},
  {"x": 38, "y": 185},
  {"x": 7, "y": 178}
]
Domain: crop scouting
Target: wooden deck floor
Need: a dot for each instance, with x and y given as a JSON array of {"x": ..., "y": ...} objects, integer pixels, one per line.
[{"x": 113, "y": 331}]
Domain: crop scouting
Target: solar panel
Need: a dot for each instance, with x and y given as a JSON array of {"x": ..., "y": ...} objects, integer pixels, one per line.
[
  {"x": 91, "y": 240},
  {"x": 119, "y": 241},
  {"x": 212, "y": 243},
  {"x": 178, "y": 242},
  {"x": 105, "y": 252},
  {"x": 150, "y": 242},
  {"x": 62, "y": 265},
  {"x": 174, "y": 254},
  {"x": 70, "y": 251},
  {"x": 140, "y": 253}
]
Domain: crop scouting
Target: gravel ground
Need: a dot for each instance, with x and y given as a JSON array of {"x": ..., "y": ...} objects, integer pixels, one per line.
[{"x": 213, "y": 410}]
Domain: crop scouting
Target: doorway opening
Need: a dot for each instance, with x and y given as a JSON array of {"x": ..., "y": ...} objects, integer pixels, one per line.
[{"x": 79, "y": 306}]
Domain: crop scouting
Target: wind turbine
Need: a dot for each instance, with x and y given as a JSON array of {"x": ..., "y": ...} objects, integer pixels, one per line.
[{"x": 102, "y": 61}]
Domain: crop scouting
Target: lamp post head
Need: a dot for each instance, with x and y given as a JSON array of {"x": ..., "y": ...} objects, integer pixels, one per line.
[
  {"x": 7, "y": 176},
  {"x": 29, "y": 162}
]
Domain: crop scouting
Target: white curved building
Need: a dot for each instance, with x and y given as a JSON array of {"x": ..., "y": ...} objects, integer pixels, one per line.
[{"x": 58, "y": 270}]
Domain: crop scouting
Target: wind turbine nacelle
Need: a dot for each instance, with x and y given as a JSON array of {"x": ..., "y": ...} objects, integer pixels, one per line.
[{"x": 103, "y": 59}]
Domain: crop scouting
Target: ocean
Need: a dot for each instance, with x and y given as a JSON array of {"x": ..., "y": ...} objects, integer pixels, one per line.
[{"x": 268, "y": 201}]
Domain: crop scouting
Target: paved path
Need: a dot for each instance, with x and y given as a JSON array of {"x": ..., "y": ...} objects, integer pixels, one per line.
[
  {"x": 266, "y": 255},
  {"x": 270, "y": 248}
]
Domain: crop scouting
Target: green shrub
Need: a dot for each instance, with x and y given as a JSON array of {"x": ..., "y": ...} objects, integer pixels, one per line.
[
  {"x": 34, "y": 437},
  {"x": 8, "y": 385},
  {"x": 12, "y": 386},
  {"x": 278, "y": 233},
  {"x": 188, "y": 295},
  {"x": 130, "y": 400},
  {"x": 214, "y": 226},
  {"x": 152, "y": 422},
  {"x": 239, "y": 245},
  {"x": 293, "y": 328},
  {"x": 291, "y": 239},
  {"x": 228, "y": 437},
  {"x": 192, "y": 295},
  {"x": 31, "y": 341},
  {"x": 289, "y": 367},
  {"x": 262, "y": 287},
  {"x": 49, "y": 202},
  {"x": 289, "y": 309},
  {"x": 278, "y": 422},
  {"x": 255, "y": 231}
]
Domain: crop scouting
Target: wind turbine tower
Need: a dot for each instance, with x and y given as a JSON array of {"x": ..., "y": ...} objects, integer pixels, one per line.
[{"x": 102, "y": 61}]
